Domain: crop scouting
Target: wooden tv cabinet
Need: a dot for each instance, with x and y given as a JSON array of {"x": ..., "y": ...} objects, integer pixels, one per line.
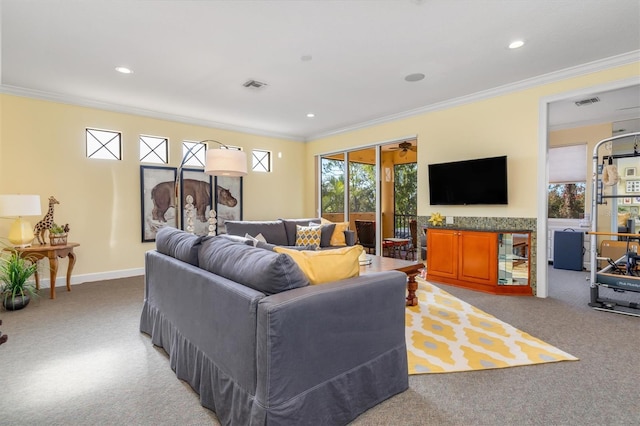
[{"x": 478, "y": 259}]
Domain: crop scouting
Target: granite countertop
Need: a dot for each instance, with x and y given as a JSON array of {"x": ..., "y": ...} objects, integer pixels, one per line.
[{"x": 463, "y": 228}]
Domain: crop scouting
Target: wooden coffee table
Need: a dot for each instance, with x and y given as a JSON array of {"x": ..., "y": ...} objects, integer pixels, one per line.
[{"x": 411, "y": 268}]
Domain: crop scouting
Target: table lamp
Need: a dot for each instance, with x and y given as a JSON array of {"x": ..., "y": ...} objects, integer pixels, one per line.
[{"x": 18, "y": 206}]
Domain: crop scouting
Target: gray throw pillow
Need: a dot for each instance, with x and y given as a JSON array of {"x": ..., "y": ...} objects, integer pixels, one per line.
[
  {"x": 178, "y": 244},
  {"x": 272, "y": 230},
  {"x": 237, "y": 239},
  {"x": 265, "y": 246},
  {"x": 290, "y": 228},
  {"x": 270, "y": 247},
  {"x": 262, "y": 270},
  {"x": 325, "y": 234}
]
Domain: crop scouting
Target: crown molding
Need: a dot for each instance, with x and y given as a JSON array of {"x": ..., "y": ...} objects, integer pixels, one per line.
[
  {"x": 90, "y": 103},
  {"x": 552, "y": 77},
  {"x": 590, "y": 67}
]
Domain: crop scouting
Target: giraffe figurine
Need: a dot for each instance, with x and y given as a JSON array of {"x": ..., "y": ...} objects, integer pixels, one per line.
[{"x": 46, "y": 221}]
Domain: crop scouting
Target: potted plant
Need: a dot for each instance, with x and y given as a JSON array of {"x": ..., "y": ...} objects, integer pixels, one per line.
[
  {"x": 57, "y": 235},
  {"x": 15, "y": 289}
]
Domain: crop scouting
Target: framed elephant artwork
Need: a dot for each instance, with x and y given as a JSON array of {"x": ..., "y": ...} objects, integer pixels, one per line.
[
  {"x": 197, "y": 184},
  {"x": 157, "y": 200},
  {"x": 228, "y": 200}
]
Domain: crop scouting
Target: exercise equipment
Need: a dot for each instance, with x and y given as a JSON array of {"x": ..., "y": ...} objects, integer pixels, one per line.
[{"x": 621, "y": 274}]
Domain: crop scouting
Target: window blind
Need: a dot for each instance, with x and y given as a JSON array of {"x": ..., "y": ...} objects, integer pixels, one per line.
[{"x": 568, "y": 164}]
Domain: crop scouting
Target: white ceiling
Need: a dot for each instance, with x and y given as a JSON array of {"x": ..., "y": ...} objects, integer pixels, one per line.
[{"x": 190, "y": 58}]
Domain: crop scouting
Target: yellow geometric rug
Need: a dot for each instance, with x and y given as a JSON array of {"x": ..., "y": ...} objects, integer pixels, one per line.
[{"x": 445, "y": 334}]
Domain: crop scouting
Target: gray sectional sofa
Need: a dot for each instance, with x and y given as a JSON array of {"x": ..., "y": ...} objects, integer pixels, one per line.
[
  {"x": 282, "y": 232},
  {"x": 260, "y": 345}
]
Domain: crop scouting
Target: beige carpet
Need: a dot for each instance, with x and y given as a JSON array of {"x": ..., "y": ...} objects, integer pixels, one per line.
[{"x": 445, "y": 334}]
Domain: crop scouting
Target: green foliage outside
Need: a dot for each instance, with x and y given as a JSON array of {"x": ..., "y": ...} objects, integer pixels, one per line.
[
  {"x": 362, "y": 187},
  {"x": 566, "y": 201},
  {"x": 406, "y": 189},
  {"x": 332, "y": 186}
]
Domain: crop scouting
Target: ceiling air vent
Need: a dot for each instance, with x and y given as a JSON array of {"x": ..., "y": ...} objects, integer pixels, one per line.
[
  {"x": 587, "y": 101},
  {"x": 254, "y": 83}
]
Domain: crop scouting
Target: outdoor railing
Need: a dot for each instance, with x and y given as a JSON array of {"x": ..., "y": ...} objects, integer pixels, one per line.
[{"x": 401, "y": 225}]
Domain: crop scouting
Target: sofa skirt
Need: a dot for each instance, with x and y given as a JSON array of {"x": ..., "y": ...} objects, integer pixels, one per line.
[
  {"x": 342, "y": 398},
  {"x": 217, "y": 390},
  {"x": 336, "y": 401}
]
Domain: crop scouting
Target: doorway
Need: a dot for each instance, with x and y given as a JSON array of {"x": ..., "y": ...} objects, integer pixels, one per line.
[{"x": 605, "y": 105}]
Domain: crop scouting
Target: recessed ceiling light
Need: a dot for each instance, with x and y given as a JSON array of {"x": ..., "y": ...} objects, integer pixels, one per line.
[
  {"x": 414, "y": 77},
  {"x": 310, "y": 115},
  {"x": 306, "y": 58},
  {"x": 516, "y": 44},
  {"x": 124, "y": 70}
]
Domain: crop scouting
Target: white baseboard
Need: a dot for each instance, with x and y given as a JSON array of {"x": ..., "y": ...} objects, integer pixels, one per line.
[{"x": 61, "y": 281}]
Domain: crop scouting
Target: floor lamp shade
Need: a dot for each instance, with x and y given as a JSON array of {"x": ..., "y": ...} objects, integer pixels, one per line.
[
  {"x": 18, "y": 206},
  {"x": 226, "y": 162}
]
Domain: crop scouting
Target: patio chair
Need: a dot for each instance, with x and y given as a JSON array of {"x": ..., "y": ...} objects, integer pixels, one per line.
[
  {"x": 366, "y": 230},
  {"x": 412, "y": 248}
]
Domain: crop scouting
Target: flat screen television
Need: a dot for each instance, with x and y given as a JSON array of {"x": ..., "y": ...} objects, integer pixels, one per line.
[{"x": 478, "y": 181}]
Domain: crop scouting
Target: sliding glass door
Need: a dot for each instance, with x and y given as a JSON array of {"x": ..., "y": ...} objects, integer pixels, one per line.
[
  {"x": 332, "y": 187},
  {"x": 361, "y": 185}
]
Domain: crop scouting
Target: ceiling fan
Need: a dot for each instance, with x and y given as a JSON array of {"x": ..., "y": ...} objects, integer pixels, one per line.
[{"x": 404, "y": 147}]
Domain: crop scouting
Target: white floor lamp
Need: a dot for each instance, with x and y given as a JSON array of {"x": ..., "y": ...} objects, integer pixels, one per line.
[{"x": 219, "y": 162}]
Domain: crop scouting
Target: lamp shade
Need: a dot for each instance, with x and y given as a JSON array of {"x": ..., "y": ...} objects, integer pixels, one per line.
[
  {"x": 16, "y": 205},
  {"x": 19, "y": 205},
  {"x": 226, "y": 162}
]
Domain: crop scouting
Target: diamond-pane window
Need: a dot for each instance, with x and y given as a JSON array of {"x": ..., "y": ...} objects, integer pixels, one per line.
[
  {"x": 103, "y": 144},
  {"x": 193, "y": 153},
  {"x": 154, "y": 149},
  {"x": 261, "y": 161}
]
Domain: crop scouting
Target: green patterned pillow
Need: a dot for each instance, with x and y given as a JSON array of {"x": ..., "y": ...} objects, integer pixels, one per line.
[{"x": 308, "y": 236}]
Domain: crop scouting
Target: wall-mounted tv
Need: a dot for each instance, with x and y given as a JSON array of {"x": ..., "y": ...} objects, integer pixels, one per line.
[{"x": 478, "y": 181}]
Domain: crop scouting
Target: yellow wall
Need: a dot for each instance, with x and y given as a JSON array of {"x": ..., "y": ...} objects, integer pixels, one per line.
[
  {"x": 503, "y": 125},
  {"x": 43, "y": 152}
]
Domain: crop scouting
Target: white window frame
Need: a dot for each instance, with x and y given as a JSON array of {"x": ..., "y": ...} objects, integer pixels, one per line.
[
  {"x": 197, "y": 156},
  {"x": 258, "y": 163},
  {"x": 110, "y": 142},
  {"x": 153, "y": 149}
]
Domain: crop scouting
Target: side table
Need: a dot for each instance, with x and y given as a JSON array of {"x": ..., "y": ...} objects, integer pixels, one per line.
[{"x": 52, "y": 253}]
